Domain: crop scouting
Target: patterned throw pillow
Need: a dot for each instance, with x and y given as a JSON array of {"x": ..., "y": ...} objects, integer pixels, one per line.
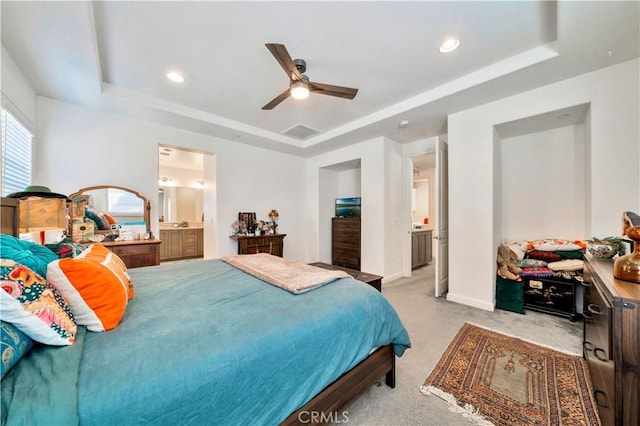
[
  {"x": 96, "y": 288},
  {"x": 536, "y": 272},
  {"x": 531, "y": 263},
  {"x": 66, "y": 248},
  {"x": 35, "y": 306},
  {"x": 14, "y": 345},
  {"x": 32, "y": 255}
]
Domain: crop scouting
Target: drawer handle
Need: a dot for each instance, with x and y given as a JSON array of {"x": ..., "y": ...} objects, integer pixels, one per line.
[
  {"x": 586, "y": 315},
  {"x": 596, "y": 353},
  {"x": 585, "y": 284},
  {"x": 587, "y": 346},
  {"x": 594, "y": 309},
  {"x": 596, "y": 394}
]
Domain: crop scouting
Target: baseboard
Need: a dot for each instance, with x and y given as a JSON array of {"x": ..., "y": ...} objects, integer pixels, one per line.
[
  {"x": 470, "y": 302},
  {"x": 392, "y": 278}
]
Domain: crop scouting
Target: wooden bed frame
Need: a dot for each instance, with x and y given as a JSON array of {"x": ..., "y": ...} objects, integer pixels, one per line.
[{"x": 330, "y": 403}]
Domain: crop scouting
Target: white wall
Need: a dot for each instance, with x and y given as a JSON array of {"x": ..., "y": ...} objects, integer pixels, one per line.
[
  {"x": 381, "y": 207},
  {"x": 17, "y": 94},
  {"x": 543, "y": 185},
  {"x": 80, "y": 146},
  {"x": 474, "y": 157}
]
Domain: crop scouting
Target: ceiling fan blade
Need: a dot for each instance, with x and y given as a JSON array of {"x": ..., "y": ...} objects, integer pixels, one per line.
[
  {"x": 275, "y": 101},
  {"x": 331, "y": 90},
  {"x": 284, "y": 59}
]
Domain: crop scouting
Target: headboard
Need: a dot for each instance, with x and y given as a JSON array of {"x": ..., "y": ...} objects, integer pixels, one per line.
[{"x": 9, "y": 216}]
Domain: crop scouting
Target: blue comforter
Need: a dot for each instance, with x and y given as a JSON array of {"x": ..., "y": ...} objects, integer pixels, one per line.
[{"x": 204, "y": 342}]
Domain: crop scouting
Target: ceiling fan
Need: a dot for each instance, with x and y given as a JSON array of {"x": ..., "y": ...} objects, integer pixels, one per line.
[{"x": 299, "y": 84}]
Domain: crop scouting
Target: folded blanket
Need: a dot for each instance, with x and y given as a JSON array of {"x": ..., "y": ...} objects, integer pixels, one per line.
[
  {"x": 289, "y": 275},
  {"x": 566, "y": 265}
]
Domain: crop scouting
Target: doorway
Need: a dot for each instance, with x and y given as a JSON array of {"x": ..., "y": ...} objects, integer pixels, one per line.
[
  {"x": 429, "y": 214},
  {"x": 184, "y": 178}
]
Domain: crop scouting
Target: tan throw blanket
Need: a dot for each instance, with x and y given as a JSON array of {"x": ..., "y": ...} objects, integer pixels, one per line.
[{"x": 289, "y": 275}]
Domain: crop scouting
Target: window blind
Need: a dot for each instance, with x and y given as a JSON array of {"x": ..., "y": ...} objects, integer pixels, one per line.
[{"x": 16, "y": 154}]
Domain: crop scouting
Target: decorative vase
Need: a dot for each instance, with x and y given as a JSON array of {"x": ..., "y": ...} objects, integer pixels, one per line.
[{"x": 627, "y": 267}]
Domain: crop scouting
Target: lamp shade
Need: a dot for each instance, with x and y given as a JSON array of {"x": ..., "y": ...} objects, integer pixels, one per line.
[
  {"x": 42, "y": 214},
  {"x": 299, "y": 90}
]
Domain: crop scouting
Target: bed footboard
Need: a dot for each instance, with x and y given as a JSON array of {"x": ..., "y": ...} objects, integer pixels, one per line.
[{"x": 328, "y": 405}]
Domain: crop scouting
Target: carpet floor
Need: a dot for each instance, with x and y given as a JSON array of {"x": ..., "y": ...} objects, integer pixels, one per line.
[
  {"x": 509, "y": 381},
  {"x": 432, "y": 324}
]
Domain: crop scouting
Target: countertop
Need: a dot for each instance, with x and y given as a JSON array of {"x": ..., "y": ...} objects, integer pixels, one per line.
[{"x": 168, "y": 226}]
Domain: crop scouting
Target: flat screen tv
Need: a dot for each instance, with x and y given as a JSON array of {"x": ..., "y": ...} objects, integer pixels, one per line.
[{"x": 348, "y": 207}]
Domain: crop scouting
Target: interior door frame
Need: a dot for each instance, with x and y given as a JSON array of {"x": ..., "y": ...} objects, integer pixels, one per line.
[{"x": 441, "y": 234}]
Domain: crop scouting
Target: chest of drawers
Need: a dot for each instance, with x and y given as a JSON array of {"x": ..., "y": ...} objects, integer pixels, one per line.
[
  {"x": 252, "y": 244},
  {"x": 611, "y": 344},
  {"x": 136, "y": 253}
]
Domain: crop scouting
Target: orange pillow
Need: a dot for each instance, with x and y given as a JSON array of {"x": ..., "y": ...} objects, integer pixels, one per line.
[
  {"x": 103, "y": 255},
  {"x": 96, "y": 295},
  {"x": 109, "y": 218}
]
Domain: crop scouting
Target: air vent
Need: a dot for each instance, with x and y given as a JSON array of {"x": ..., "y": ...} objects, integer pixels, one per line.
[{"x": 300, "y": 131}]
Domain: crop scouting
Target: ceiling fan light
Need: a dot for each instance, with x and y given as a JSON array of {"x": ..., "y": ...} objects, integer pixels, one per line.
[{"x": 299, "y": 90}]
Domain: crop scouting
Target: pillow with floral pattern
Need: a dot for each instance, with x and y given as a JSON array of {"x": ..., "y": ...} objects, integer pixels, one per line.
[{"x": 34, "y": 306}]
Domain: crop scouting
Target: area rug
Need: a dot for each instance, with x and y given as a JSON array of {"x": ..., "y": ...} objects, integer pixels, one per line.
[{"x": 503, "y": 380}]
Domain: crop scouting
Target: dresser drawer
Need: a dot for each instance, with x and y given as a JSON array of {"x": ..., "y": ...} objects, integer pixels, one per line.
[
  {"x": 602, "y": 373},
  {"x": 139, "y": 260},
  {"x": 597, "y": 315},
  {"x": 133, "y": 249}
]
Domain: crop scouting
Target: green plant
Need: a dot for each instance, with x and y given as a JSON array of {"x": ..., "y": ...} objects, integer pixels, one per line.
[{"x": 615, "y": 242}]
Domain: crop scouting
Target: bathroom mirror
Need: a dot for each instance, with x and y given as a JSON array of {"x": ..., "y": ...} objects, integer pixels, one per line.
[
  {"x": 177, "y": 204},
  {"x": 122, "y": 204}
]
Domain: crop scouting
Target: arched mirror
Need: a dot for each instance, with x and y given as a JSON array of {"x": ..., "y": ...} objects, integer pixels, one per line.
[{"x": 118, "y": 205}]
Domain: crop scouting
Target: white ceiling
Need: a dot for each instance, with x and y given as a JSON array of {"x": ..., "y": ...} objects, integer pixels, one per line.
[{"x": 114, "y": 55}]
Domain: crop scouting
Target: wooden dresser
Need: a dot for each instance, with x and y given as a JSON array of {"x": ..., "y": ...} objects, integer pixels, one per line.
[
  {"x": 611, "y": 344},
  {"x": 252, "y": 244},
  {"x": 345, "y": 242},
  {"x": 136, "y": 253}
]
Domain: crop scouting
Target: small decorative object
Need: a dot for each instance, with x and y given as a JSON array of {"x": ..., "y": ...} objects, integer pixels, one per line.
[
  {"x": 97, "y": 238},
  {"x": 627, "y": 267},
  {"x": 606, "y": 248},
  {"x": 274, "y": 215},
  {"x": 235, "y": 228}
]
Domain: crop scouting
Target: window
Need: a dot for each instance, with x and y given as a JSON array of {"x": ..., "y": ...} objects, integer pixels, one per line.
[{"x": 16, "y": 155}]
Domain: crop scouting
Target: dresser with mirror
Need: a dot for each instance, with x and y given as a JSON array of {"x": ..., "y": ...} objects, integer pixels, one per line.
[{"x": 110, "y": 207}]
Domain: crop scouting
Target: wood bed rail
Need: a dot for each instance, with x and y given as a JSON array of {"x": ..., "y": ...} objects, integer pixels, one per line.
[{"x": 330, "y": 404}]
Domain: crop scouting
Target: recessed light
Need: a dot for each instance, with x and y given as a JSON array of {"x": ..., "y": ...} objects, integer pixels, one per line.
[
  {"x": 175, "y": 77},
  {"x": 449, "y": 45}
]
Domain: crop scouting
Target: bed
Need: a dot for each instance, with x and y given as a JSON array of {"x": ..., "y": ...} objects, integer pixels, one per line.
[{"x": 206, "y": 343}]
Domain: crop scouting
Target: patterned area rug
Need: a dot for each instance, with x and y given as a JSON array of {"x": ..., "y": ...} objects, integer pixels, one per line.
[{"x": 504, "y": 380}]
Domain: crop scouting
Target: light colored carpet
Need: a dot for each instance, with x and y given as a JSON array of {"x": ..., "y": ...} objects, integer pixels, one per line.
[{"x": 432, "y": 324}]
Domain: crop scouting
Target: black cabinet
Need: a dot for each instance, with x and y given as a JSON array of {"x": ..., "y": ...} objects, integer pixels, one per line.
[{"x": 553, "y": 295}]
